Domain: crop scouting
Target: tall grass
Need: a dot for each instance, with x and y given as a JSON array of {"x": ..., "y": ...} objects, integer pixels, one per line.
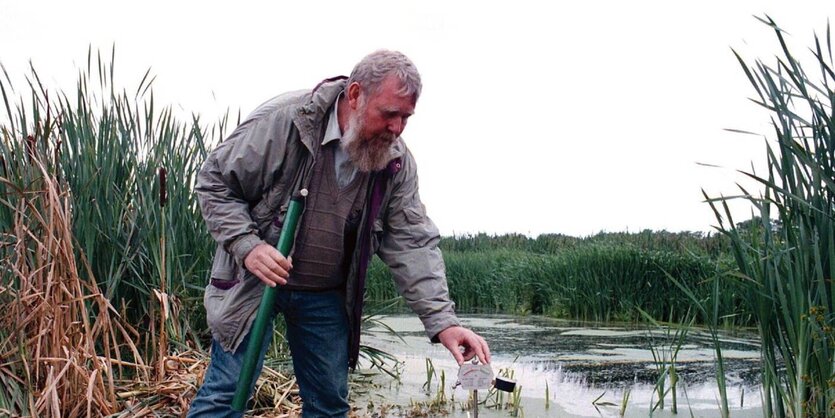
[
  {"x": 93, "y": 239},
  {"x": 603, "y": 277},
  {"x": 64, "y": 346},
  {"x": 108, "y": 147},
  {"x": 786, "y": 263}
]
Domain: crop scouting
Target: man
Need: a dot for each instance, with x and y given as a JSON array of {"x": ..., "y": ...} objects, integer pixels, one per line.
[{"x": 340, "y": 141}]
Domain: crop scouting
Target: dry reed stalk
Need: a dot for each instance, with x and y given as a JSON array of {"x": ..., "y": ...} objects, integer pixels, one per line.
[
  {"x": 162, "y": 347},
  {"x": 67, "y": 349},
  {"x": 62, "y": 330},
  {"x": 276, "y": 396}
]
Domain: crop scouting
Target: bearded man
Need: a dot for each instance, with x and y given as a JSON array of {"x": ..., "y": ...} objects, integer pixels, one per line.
[{"x": 340, "y": 141}]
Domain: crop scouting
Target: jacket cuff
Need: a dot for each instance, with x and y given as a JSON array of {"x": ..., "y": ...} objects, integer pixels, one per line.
[
  {"x": 436, "y": 328},
  {"x": 241, "y": 247}
]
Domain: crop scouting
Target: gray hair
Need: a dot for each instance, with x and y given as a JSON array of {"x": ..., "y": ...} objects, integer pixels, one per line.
[{"x": 376, "y": 66}]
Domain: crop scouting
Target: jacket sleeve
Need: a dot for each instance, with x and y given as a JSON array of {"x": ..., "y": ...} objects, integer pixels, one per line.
[
  {"x": 410, "y": 249},
  {"x": 235, "y": 176}
]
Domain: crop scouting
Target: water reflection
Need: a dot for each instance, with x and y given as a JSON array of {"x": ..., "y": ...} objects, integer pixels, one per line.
[{"x": 579, "y": 362}]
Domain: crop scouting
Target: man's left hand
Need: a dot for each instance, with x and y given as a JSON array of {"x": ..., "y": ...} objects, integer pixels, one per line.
[{"x": 453, "y": 338}]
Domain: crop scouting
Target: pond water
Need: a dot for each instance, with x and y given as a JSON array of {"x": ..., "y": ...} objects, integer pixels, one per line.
[{"x": 582, "y": 369}]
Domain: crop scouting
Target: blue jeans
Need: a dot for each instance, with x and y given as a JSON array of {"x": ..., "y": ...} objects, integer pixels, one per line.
[{"x": 317, "y": 332}]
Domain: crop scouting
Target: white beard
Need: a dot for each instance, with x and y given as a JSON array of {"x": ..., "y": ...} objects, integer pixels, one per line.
[{"x": 367, "y": 154}]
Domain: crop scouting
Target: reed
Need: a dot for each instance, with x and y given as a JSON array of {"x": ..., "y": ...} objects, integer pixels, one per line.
[
  {"x": 665, "y": 357},
  {"x": 603, "y": 277},
  {"x": 103, "y": 251},
  {"x": 64, "y": 347},
  {"x": 430, "y": 374},
  {"x": 786, "y": 260},
  {"x": 109, "y": 149},
  {"x": 624, "y": 402}
]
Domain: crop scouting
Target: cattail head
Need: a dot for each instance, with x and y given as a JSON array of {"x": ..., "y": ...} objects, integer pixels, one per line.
[
  {"x": 30, "y": 147},
  {"x": 57, "y": 151},
  {"x": 162, "y": 196}
]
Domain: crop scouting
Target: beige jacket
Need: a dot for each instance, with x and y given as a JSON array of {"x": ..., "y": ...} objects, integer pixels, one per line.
[{"x": 244, "y": 189}]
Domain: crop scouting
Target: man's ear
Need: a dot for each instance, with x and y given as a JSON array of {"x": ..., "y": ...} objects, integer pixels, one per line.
[{"x": 354, "y": 92}]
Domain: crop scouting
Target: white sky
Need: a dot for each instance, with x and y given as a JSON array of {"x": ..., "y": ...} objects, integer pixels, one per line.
[{"x": 569, "y": 117}]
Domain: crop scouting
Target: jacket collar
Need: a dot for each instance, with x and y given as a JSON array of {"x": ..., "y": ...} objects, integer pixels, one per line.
[{"x": 311, "y": 115}]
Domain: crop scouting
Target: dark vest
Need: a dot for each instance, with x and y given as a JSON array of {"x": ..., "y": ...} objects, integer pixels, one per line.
[{"x": 328, "y": 226}]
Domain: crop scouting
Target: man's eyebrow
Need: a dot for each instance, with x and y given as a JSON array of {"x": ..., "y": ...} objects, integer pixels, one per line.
[{"x": 397, "y": 110}]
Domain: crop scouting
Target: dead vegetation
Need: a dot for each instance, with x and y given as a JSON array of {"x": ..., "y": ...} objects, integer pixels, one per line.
[{"x": 65, "y": 350}]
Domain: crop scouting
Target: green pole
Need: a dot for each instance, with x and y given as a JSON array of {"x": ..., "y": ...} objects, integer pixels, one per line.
[{"x": 259, "y": 327}]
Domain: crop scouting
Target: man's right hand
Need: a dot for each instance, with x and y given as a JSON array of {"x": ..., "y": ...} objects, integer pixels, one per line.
[{"x": 266, "y": 263}]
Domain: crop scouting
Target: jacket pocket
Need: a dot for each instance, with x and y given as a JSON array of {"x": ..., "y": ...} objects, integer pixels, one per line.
[
  {"x": 411, "y": 214},
  {"x": 223, "y": 284},
  {"x": 224, "y": 275},
  {"x": 273, "y": 230},
  {"x": 223, "y": 266},
  {"x": 414, "y": 213}
]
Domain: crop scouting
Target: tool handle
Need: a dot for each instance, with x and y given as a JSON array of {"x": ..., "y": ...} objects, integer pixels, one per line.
[{"x": 259, "y": 327}]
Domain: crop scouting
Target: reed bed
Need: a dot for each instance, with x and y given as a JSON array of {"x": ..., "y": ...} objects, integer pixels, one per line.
[
  {"x": 787, "y": 260},
  {"x": 112, "y": 152},
  {"x": 602, "y": 277},
  {"x": 713, "y": 245},
  {"x": 104, "y": 254},
  {"x": 63, "y": 345}
]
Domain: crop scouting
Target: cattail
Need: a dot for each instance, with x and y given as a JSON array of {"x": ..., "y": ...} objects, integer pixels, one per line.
[
  {"x": 30, "y": 147},
  {"x": 162, "y": 195},
  {"x": 57, "y": 162},
  {"x": 57, "y": 151}
]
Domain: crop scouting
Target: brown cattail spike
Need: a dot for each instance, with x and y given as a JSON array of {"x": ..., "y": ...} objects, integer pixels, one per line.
[
  {"x": 162, "y": 196},
  {"x": 30, "y": 147}
]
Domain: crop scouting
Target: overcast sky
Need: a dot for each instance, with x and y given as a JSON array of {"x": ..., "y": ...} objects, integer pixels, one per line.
[{"x": 569, "y": 117}]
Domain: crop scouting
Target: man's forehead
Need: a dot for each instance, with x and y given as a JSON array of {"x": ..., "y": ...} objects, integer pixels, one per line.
[
  {"x": 392, "y": 85},
  {"x": 392, "y": 99},
  {"x": 397, "y": 104}
]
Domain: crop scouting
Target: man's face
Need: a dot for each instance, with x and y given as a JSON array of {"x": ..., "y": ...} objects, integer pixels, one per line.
[{"x": 376, "y": 120}]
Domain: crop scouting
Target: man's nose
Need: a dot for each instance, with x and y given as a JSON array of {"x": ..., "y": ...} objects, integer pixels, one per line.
[{"x": 396, "y": 126}]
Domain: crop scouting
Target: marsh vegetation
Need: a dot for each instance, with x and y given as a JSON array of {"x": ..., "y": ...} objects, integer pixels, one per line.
[{"x": 104, "y": 254}]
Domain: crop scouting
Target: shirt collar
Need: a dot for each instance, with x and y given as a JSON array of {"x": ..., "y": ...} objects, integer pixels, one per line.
[{"x": 332, "y": 132}]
